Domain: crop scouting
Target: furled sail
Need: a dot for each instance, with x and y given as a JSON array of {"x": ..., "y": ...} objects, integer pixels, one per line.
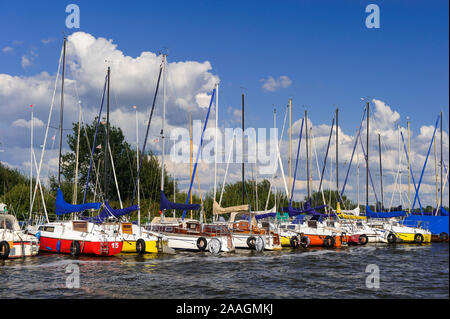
[
  {"x": 109, "y": 212},
  {"x": 218, "y": 210},
  {"x": 372, "y": 214},
  {"x": 61, "y": 207},
  {"x": 165, "y": 204}
]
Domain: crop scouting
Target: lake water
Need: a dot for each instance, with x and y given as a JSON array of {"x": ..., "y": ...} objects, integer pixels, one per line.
[{"x": 405, "y": 271}]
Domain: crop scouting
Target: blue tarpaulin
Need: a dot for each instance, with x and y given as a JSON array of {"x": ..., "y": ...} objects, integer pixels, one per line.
[
  {"x": 61, "y": 207},
  {"x": 267, "y": 215},
  {"x": 372, "y": 214},
  {"x": 165, "y": 204},
  {"x": 109, "y": 212}
]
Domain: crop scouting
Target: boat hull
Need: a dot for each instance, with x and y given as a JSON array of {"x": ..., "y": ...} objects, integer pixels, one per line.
[
  {"x": 99, "y": 248},
  {"x": 23, "y": 249},
  {"x": 151, "y": 246}
]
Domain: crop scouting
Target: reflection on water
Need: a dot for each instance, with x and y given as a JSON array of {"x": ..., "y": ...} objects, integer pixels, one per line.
[{"x": 406, "y": 271}]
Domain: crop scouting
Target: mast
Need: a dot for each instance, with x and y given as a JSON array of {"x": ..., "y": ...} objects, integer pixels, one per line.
[
  {"x": 381, "y": 171},
  {"x": 290, "y": 145},
  {"x": 61, "y": 113},
  {"x": 243, "y": 154},
  {"x": 436, "y": 175},
  {"x": 307, "y": 154},
  {"x": 442, "y": 159},
  {"x": 409, "y": 167},
  {"x": 215, "y": 141},
  {"x": 190, "y": 155},
  {"x": 137, "y": 165},
  {"x": 75, "y": 186},
  {"x": 367, "y": 155},
  {"x": 337, "y": 149},
  {"x": 31, "y": 163},
  {"x": 163, "y": 122},
  {"x": 106, "y": 160}
]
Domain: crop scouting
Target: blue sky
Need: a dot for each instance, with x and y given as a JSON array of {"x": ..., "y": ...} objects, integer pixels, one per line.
[
  {"x": 331, "y": 58},
  {"x": 322, "y": 46}
]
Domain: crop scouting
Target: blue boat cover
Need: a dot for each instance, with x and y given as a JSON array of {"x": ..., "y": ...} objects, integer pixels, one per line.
[
  {"x": 61, "y": 207},
  {"x": 267, "y": 215},
  {"x": 109, "y": 212},
  {"x": 307, "y": 209},
  {"x": 372, "y": 214},
  {"x": 165, "y": 204}
]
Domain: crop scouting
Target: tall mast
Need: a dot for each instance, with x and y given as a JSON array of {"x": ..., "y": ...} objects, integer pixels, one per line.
[
  {"x": 367, "y": 155},
  {"x": 442, "y": 162},
  {"x": 215, "y": 141},
  {"x": 137, "y": 165},
  {"x": 243, "y": 153},
  {"x": 163, "y": 122},
  {"x": 107, "y": 138},
  {"x": 75, "y": 186},
  {"x": 290, "y": 145},
  {"x": 61, "y": 113},
  {"x": 381, "y": 171},
  {"x": 436, "y": 175},
  {"x": 337, "y": 150},
  {"x": 409, "y": 168},
  {"x": 31, "y": 163},
  {"x": 307, "y": 154},
  {"x": 190, "y": 155}
]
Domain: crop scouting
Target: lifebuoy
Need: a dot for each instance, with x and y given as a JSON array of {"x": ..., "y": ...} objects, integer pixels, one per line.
[
  {"x": 391, "y": 238},
  {"x": 4, "y": 250},
  {"x": 202, "y": 243},
  {"x": 305, "y": 241},
  {"x": 443, "y": 236},
  {"x": 140, "y": 246},
  {"x": 294, "y": 242},
  {"x": 363, "y": 239},
  {"x": 418, "y": 238},
  {"x": 251, "y": 242},
  {"x": 328, "y": 241},
  {"x": 75, "y": 248}
]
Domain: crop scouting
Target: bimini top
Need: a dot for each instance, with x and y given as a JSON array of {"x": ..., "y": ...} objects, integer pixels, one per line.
[
  {"x": 165, "y": 204},
  {"x": 372, "y": 214},
  {"x": 61, "y": 207}
]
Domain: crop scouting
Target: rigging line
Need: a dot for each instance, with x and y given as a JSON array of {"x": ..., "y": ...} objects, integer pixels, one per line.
[
  {"x": 370, "y": 174},
  {"x": 226, "y": 169},
  {"x": 200, "y": 148},
  {"x": 95, "y": 138},
  {"x": 46, "y": 130},
  {"x": 425, "y": 164},
  {"x": 358, "y": 135},
  {"x": 146, "y": 133},
  {"x": 276, "y": 162},
  {"x": 318, "y": 170},
  {"x": 296, "y": 162},
  {"x": 326, "y": 156}
]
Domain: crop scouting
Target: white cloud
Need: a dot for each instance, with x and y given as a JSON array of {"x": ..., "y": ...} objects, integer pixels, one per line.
[
  {"x": 26, "y": 61},
  {"x": 271, "y": 84},
  {"x": 47, "y": 41},
  {"x": 27, "y": 124},
  {"x": 7, "y": 50}
]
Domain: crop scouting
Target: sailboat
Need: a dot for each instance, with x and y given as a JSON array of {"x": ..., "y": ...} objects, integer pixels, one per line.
[
  {"x": 438, "y": 220},
  {"x": 14, "y": 243},
  {"x": 73, "y": 236},
  {"x": 389, "y": 224}
]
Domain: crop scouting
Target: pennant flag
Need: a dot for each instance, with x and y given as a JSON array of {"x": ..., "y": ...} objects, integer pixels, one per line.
[
  {"x": 31, "y": 105},
  {"x": 99, "y": 146},
  {"x": 53, "y": 137}
]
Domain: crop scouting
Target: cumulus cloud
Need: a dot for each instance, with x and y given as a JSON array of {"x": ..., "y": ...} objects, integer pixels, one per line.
[
  {"x": 27, "y": 124},
  {"x": 7, "y": 50},
  {"x": 26, "y": 61},
  {"x": 271, "y": 84}
]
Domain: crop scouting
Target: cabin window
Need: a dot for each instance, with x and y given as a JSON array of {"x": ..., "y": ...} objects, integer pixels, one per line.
[
  {"x": 312, "y": 223},
  {"x": 291, "y": 227},
  {"x": 192, "y": 226},
  {"x": 50, "y": 229},
  {"x": 80, "y": 226},
  {"x": 127, "y": 228}
]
